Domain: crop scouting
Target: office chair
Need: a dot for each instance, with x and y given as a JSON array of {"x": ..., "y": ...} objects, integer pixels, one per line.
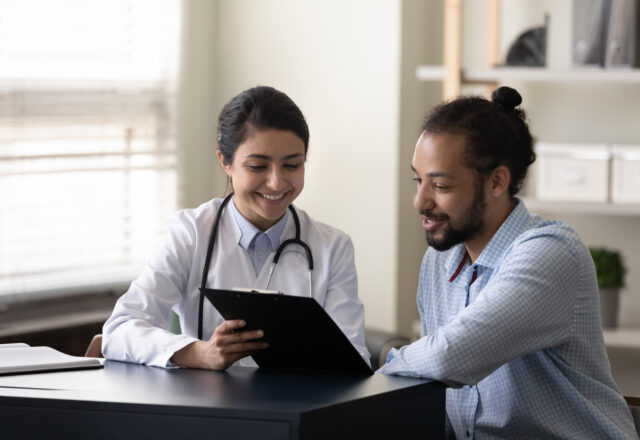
[
  {"x": 634, "y": 406},
  {"x": 379, "y": 343},
  {"x": 95, "y": 347}
]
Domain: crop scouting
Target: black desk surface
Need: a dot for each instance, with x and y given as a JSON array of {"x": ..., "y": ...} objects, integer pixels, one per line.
[{"x": 128, "y": 400}]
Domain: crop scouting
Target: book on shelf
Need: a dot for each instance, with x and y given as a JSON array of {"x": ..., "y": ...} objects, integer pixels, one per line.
[{"x": 19, "y": 358}]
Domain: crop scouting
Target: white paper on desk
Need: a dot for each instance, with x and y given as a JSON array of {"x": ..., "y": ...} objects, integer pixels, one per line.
[
  {"x": 24, "y": 359},
  {"x": 14, "y": 345}
]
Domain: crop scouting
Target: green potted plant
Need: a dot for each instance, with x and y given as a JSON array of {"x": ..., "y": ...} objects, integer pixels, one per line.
[{"x": 610, "y": 271}]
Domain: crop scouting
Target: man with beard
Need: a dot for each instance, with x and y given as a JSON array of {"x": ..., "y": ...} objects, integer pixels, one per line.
[{"x": 508, "y": 301}]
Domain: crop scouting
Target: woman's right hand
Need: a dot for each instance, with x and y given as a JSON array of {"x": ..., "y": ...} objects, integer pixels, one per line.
[{"x": 223, "y": 349}]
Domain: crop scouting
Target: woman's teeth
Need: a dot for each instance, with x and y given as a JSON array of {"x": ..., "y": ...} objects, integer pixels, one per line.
[{"x": 272, "y": 196}]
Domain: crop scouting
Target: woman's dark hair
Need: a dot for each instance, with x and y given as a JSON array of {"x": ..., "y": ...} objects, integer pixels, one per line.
[
  {"x": 255, "y": 109},
  {"x": 496, "y": 132}
]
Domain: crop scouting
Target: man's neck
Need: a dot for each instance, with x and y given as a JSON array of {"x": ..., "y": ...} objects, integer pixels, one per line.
[{"x": 495, "y": 215}]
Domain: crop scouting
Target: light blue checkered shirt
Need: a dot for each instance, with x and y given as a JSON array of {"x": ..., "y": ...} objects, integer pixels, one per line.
[
  {"x": 521, "y": 346},
  {"x": 258, "y": 244}
]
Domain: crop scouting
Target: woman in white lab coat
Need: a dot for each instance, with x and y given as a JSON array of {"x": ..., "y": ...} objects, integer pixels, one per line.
[{"x": 262, "y": 146}]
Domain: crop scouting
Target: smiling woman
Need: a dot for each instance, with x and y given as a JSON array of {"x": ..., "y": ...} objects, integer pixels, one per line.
[
  {"x": 262, "y": 144},
  {"x": 267, "y": 173}
]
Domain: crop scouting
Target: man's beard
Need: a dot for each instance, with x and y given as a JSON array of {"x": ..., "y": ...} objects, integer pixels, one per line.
[{"x": 472, "y": 222}]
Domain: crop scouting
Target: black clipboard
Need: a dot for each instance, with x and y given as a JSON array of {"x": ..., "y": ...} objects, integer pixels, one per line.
[{"x": 300, "y": 333}]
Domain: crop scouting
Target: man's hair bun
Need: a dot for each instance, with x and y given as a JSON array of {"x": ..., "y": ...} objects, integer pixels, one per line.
[{"x": 506, "y": 97}]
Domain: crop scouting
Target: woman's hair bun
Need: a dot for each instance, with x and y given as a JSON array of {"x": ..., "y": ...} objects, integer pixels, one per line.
[{"x": 507, "y": 97}]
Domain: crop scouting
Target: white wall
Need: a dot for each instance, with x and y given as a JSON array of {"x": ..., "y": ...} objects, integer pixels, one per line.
[
  {"x": 340, "y": 62},
  {"x": 421, "y": 44},
  {"x": 200, "y": 178}
]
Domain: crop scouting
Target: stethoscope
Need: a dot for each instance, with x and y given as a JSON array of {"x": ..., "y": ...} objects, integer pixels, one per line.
[{"x": 214, "y": 232}]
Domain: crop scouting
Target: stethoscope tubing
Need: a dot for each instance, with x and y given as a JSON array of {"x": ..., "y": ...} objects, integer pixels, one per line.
[{"x": 214, "y": 232}]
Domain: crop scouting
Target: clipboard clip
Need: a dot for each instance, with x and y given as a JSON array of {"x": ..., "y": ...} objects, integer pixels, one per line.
[{"x": 246, "y": 289}]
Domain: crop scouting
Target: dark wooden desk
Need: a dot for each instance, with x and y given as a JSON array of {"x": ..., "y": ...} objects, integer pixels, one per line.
[{"x": 134, "y": 401}]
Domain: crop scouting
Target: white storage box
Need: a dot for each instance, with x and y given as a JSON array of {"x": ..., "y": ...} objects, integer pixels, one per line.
[
  {"x": 625, "y": 174},
  {"x": 573, "y": 172}
]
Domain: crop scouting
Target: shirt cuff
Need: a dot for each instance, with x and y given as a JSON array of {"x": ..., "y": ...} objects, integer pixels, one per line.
[
  {"x": 389, "y": 366},
  {"x": 175, "y": 346},
  {"x": 398, "y": 361}
]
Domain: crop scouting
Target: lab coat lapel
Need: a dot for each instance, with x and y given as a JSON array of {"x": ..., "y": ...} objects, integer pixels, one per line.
[
  {"x": 291, "y": 273},
  {"x": 230, "y": 265},
  {"x": 262, "y": 279}
]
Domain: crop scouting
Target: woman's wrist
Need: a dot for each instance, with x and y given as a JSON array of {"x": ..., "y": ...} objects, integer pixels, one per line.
[{"x": 188, "y": 356}]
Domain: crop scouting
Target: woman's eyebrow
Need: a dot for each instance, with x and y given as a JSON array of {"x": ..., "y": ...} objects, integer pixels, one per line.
[
  {"x": 269, "y": 158},
  {"x": 258, "y": 156}
]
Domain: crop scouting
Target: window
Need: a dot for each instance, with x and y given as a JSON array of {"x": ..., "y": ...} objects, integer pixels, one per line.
[{"x": 88, "y": 163}]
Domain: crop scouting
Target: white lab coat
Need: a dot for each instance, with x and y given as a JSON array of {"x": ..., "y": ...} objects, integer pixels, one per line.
[{"x": 136, "y": 331}]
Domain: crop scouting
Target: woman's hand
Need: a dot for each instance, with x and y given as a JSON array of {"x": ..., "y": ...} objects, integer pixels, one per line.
[{"x": 223, "y": 349}]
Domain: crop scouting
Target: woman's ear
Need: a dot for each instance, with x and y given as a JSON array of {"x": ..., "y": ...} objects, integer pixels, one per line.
[
  {"x": 223, "y": 164},
  {"x": 500, "y": 180}
]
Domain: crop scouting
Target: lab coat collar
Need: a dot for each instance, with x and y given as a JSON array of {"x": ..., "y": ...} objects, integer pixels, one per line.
[{"x": 229, "y": 233}]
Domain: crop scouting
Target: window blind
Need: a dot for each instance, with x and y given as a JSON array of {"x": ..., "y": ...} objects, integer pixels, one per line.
[{"x": 88, "y": 163}]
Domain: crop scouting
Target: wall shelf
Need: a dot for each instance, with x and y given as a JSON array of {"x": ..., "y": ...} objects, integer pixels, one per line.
[
  {"x": 622, "y": 337},
  {"x": 532, "y": 74},
  {"x": 535, "y": 205}
]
